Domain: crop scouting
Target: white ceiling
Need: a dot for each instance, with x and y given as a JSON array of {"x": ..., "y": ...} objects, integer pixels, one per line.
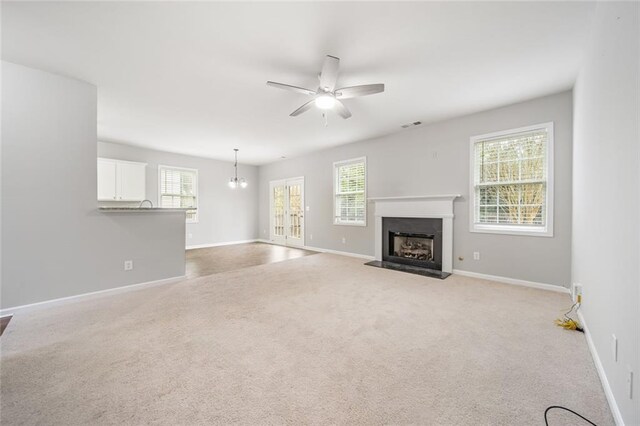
[{"x": 190, "y": 77}]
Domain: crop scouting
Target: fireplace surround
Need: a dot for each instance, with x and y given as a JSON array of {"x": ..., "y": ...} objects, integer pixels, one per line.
[{"x": 415, "y": 234}]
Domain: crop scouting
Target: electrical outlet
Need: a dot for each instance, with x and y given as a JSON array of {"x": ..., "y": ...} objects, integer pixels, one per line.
[
  {"x": 190, "y": 235},
  {"x": 344, "y": 240},
  {"x": 614, "y": 347},
  {"x": 264, "y": 231},
  {"x": 476, "y": 255},
  {"x": 630, "y": 382},
  {"x": 128, "y": 265},
  {"x": 434, "y": 155},
  {"x": 577, "y": 291},
  {"x": 308, "y": 208},
  {"x": 311, "y": 236}
]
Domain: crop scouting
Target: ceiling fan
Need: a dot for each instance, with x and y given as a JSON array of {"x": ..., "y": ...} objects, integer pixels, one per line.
[{"x": 327, "y": 96}]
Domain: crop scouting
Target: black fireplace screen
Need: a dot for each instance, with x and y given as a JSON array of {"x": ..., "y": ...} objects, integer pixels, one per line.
[{"x": 412, "y": 241}]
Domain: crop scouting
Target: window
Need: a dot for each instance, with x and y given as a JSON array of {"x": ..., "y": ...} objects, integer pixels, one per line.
[
  {"x": 349, "y": 190},
  {"x": 512, "y": 181},
  {"x": 179, "y": 189}
]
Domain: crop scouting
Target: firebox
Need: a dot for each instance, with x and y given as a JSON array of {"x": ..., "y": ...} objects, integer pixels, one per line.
[
  {"x": 412, "y": 241},
  {"x": 411, "y": 246}
]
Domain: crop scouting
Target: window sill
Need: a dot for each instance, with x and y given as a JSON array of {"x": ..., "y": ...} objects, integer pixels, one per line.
[
  {"x": 350, "y": 224},
  {"x": 511, "y": 230}
]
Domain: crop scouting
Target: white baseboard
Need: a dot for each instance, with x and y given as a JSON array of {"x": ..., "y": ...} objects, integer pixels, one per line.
[
  {"x": 122, "y": 289},
  {"x": 513, "y": 281},
  {"x": 226, "y": 243},
  {"x": 615, "y": 411},
  {"x": 342, "y": 253}
]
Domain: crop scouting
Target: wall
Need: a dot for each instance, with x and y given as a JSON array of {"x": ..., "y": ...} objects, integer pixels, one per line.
[
  {"x": 54, "y": 241},
  {"x": 434, "y": 159},
  {"x": 606, "y": 193},
  {"x": 223, "y": 214}
]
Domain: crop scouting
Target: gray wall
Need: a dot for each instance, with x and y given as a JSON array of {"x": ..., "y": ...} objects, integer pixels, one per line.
[
  {"x": 434, "y": 159},
  {"x": 223, "y": 214},
  {"x": 606, "y": 196},
  {"x": 54, "y": 241}
]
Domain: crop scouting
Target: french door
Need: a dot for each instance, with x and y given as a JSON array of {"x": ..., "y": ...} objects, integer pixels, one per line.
[{"x": 287, "y": 212}]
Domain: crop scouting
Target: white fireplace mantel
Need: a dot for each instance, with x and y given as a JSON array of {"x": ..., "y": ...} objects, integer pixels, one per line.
[{"x": 421, "y": 206}]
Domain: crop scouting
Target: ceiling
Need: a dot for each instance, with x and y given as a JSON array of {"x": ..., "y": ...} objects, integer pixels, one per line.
[{"x": 190, "y": 77}]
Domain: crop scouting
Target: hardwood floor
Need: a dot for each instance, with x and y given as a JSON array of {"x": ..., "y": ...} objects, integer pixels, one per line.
[
  {"x": 213, "y": 260},
  {"x": 4, "y": 322}
]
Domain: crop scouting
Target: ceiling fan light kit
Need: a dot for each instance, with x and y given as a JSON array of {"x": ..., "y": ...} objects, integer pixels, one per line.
[
  {"x": 327, "y": 97},
  {"x": 325, "y": 101},
  {"x": 235, "y": 182}
]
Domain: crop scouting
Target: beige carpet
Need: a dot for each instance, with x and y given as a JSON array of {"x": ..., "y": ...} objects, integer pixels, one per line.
[{"x": 317, "y": 340}]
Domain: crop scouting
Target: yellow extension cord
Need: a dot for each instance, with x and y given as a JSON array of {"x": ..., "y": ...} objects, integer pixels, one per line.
[{"x": 567, "y": 322}]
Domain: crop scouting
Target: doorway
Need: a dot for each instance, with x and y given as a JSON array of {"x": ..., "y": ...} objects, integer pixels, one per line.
[{"x": 286, "y": 202}]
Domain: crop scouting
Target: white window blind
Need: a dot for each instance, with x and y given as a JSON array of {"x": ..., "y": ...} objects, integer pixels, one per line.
[
  {"x": 511, "y": 180},
  {"x": 179, "y": 189},
  {"x": 350, "y": 192}
]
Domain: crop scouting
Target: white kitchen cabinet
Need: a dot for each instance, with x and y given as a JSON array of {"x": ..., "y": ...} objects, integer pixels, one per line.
[
  {"x": 106, "y": 179},
  {"x": 121, "y": 180}
]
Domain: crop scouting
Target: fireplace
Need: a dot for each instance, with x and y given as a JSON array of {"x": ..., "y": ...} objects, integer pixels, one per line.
[
  {"x": 414, "y": 234},
  {"x": 412, "y": 241}
]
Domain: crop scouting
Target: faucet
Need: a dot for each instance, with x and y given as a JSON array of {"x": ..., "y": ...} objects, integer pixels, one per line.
[{"x": 142, "y": 202}]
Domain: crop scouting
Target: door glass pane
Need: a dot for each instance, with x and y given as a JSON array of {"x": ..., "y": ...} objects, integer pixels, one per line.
[
  {"x": 295, "y": 211},
  {"x": 278, "y": 207}
]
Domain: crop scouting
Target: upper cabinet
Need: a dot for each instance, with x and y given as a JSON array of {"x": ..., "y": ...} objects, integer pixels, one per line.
[{"x": 121, "y": 180}]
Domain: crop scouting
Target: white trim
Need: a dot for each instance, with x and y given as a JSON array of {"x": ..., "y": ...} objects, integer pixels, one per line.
[
  {"x": 341, "y": 253},
  {"x": 197, "y": 192},
  {"x": 448, "y": 197},
  {"x": 513, "y": 281},
  {"x": 540, "y": 231},
  {"x": 115, "y": 160},
  {"x": 121, "y": 289},
  {"x": 335, "y": 220},
  {"x": 613, "y": 405},
  {"x": 225, "y": 243}
]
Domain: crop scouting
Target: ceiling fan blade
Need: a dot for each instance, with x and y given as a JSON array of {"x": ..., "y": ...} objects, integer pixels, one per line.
[
  {"x": 355, "y": 91},
  {"x": 341, "y": 110},
  {"x": 291, "y": 88},
  {"x": 329, "y": 74},
  {"x": 303, "y": 108}
]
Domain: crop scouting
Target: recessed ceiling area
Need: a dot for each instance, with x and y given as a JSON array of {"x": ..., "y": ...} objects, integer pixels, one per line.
[{"x": 189, "y": 77}]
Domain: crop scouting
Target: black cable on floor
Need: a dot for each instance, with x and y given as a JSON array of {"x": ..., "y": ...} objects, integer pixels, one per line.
[{"x": 546, "y": 422}]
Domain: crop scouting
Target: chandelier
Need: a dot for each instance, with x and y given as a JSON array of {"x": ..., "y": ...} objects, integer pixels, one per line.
[{"x": 234, "y": 182}]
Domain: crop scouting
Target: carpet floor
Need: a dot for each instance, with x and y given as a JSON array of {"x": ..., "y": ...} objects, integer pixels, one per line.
[{"x": 320, "y": 339}]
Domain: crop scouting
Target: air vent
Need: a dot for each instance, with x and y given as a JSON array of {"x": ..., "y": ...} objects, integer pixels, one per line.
[{"x": 415, "y": 123}]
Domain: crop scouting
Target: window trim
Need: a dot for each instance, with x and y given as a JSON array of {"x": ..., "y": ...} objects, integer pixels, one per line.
[
  {"x": 196, "y": 191},
  {"x": 538, "y": 231},
  {"x": 336, "y": 164}
]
